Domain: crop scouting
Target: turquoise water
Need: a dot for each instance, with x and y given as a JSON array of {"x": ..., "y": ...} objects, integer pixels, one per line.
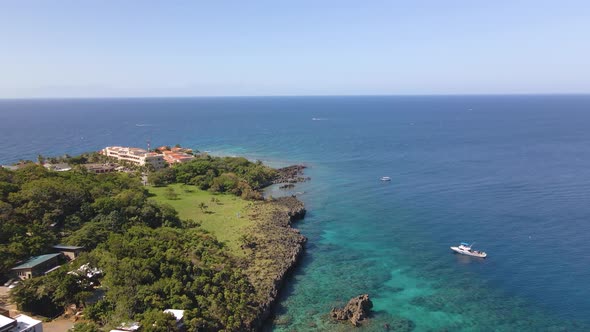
[{"x": 510, "y": 173}]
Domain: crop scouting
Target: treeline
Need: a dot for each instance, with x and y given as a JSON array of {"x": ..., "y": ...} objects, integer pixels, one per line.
[
  {"x": 91, "y": 157},
  {"x": 235, "y": 175},
  {"x": 150, "y": 260}
]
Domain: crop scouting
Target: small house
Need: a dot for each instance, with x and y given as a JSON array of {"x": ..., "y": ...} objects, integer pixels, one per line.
[
  {"x": 61, "y": 167},
  {"x": 38, "y": 265},
  {"x": 100, "y": 168},
  {"x": 71, "y": 252}
]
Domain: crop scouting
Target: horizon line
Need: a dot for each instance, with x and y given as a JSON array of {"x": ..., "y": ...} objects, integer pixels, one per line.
[{"x": 307, "y": 96}]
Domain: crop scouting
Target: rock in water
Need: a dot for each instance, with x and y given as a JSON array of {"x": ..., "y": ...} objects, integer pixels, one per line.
[{"x": 355, "y": 311}]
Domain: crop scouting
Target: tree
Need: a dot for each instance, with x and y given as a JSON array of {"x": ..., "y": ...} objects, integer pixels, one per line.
[
  {"x": 161, "y": 177},
  {"x": 169, "y": 193},
  {"x": 158, "y": 321},
  {"x": 85, "y": 327},
  {"x": 99, "y": 312}
]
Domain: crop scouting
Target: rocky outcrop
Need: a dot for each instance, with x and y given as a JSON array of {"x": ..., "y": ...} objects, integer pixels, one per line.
[
  {"x": 357, "y": 309},
  {"x": 294, "y": 207},
  {"x": 290, "y": 174}
]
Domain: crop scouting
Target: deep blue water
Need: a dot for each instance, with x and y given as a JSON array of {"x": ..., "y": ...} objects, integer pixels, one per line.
[{"x": 509, "y": 172}]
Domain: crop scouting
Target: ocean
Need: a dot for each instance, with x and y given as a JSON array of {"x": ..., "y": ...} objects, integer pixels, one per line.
[{"x": 510, "y": 173}]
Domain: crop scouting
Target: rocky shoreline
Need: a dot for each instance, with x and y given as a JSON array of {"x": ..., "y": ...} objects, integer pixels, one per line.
[
  {"x": 273, "y": 248},
  {"x": 290, "y": 175},
  {"x": 295, "y": 247}
]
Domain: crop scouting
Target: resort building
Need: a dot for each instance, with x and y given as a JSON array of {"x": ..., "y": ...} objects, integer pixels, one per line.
[
  {"x": 36, "y": 266},
  {"x": 136, "y": 156},
  {"x": 175, "y": 157},
  {"x": 71, "y": 252},
  {"x": 20, "y": 323}
]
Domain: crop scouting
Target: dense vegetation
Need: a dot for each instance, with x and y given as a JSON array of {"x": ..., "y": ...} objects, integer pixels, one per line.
[
  {"x": 150, "y": 259},
  {"x": 235, "y": 175},
  {"x": 149, "y": 270},
  {"x": 39, "y": 208}
]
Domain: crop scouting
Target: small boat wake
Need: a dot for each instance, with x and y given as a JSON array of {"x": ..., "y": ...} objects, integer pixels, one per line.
[
  {"x": 143, "y": 125},
  {"x": 319, "y": 119}
]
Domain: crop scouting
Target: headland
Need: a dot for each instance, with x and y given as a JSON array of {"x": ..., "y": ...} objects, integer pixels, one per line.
[{"x": 195, "y": 236}]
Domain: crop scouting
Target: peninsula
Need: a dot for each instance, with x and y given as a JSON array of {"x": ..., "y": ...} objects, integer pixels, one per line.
[{"x": 173, "y": 239}]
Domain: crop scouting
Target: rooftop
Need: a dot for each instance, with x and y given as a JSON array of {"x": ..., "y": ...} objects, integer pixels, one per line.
[
  {"x": 34, "y": 261},
  {"x": 130, "y": 326},
  {"x": 64, "y": 247},
  {"x": 6, "y": 321},
  {"x": 60, "y": 167},
  {"x": 19, "y": 323},
  {"x": 97, "y": 166},
  {"x": 178, "y": 314}
]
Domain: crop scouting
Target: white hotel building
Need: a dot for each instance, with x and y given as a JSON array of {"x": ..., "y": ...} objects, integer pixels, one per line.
[{"x": 137, "y": 156}]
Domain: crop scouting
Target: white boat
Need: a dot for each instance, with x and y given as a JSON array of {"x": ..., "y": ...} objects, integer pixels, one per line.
[
  {"x": 465, "y": 249},
  {"x": 385, "y": 178}
]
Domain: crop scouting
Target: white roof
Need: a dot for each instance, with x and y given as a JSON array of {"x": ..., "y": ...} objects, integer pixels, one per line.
[
  {"x": 5, "y": 321},
  {"x": 179, "y": 314},
  {"x": 25, "y": 322},
  {"x": 129, "y": 326}
]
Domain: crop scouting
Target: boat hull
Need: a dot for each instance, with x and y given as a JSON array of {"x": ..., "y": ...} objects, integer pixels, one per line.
[{"x": 469, "y": 253}]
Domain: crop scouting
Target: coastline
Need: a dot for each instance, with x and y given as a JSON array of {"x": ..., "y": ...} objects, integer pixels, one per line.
[
  {"x": 254, "y": 234},
  {"x": 260, "y": 238},
  {"x": 282, "y": 247}
]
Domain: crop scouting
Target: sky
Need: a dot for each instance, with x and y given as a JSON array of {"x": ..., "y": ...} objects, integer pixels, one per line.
[{"x": 240, "y": 48}]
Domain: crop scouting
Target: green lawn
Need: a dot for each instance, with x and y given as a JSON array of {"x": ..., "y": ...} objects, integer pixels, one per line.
[{"x": 227, "y": 219}]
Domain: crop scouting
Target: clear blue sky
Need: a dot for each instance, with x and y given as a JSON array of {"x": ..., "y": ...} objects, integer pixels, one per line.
[{"x": 195, "y": 48}]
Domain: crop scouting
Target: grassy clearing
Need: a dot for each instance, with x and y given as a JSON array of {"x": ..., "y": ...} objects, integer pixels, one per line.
[{"x": 226, "y": 217}]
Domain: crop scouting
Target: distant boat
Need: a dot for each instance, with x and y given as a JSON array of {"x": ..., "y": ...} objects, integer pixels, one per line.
[
  {"x": 465, "y": 249},
  {"x": 385, "y": 178}
]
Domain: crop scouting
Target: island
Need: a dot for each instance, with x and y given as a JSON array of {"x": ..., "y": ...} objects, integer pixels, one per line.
[{"x": 121, "y": 240}]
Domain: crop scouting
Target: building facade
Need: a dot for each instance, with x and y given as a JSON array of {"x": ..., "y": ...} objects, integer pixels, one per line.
[{"x": 135, "y": 156}]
